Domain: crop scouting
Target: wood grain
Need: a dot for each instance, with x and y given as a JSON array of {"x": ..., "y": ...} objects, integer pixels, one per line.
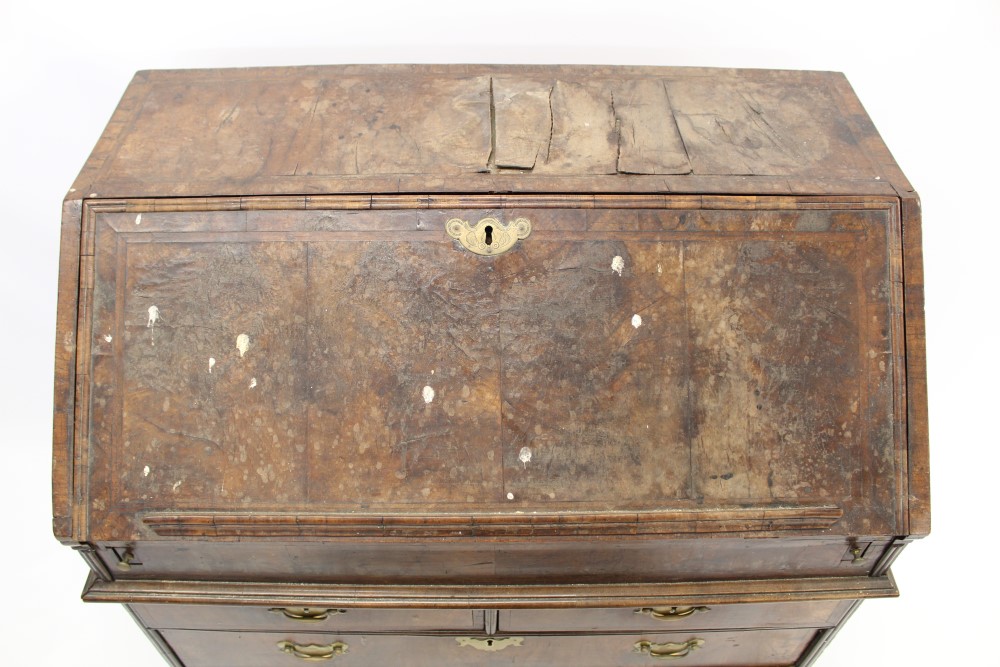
[
  {"x": 460, "y": 128},
  {"x": 748, "y": 648},
  {"x": 503, "y": 596},
  {"x": 336, "y": 307}
]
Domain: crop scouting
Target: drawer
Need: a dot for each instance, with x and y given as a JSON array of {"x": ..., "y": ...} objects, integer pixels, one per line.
[
  {"x": 263, "y": 649},
  {"x": 812, "y": 614},
  {"x": 302, "y": 619}
]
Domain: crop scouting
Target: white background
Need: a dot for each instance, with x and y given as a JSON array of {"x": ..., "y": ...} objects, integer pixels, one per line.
[{"x": 928, "y": 78}]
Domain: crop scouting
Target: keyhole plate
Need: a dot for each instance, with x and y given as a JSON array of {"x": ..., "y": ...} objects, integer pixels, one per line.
[
  {"x": 489, "y": 236},
  {"x": 489, "y": 643}
]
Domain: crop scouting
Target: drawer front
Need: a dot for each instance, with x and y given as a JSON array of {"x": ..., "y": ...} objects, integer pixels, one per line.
[
  {"x": 302, "y": 619},
  {"x": 260, "y": 649},
  {"x": 818, "y": 614}
]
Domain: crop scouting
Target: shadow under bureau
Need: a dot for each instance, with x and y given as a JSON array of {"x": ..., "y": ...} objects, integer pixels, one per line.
[{"x": 531, "y": 365}]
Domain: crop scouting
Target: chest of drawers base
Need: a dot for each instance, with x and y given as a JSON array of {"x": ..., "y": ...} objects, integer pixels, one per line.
[{"x": 722, "y": 623}]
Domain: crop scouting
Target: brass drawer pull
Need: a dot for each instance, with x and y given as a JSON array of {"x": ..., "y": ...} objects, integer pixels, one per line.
[
  {"x": 670, "y": 613},
  {"x": 489, "y": 643},
  {"x": 306, "y": 614},
  {"x": 489, "y": 236},
  {"x": 313, "y": 652},
  {"x": 667, "y": 651}
]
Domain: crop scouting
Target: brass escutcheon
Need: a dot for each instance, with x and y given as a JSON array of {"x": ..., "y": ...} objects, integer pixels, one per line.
[
  {"x": 489, "y": 236},
  {"x": 489, "y": 643},
  {"x": 667, "y": 651}
]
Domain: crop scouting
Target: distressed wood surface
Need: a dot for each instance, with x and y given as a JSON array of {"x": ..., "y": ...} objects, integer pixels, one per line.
[
  {"x": 385, "y": 368},
  {"x": 386, "y": 128}
]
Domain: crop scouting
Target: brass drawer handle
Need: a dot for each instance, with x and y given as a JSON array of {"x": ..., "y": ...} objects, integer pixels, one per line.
[
  {"x": 306, "y": 614},
  {"x": 313, "y": 652},
  {"x": 489, "y": 643},
  {"x": 670, "y": 613},
  {"x": 667, "y": 651},
  {"x": 489, "y": 236}
]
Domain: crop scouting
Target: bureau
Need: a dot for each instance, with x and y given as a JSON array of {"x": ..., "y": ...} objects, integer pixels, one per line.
[{"x": 490, "y": 365}]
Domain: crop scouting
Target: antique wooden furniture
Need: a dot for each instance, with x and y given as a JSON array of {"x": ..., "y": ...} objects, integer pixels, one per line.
[{"x": 584, "y": 366}]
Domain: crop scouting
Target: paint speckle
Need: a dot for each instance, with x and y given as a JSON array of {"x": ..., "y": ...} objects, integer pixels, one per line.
[
  {"x": 510, "y": 496},
  {"x": 145, "y": 471},
  {"x": 211, "y": 363},
  {"x": 253, "y": 382},
  {"x": 154, "y": 316},
  {"x": 636, "y": 321},
  {"x": 618, "y": 264},
  {"x": 525, "y": 456},
  {"x": 138, "y": 219},
  {"x": 659, "y": 269},
  {"x": 177, "y": 484},
  {"x": 243, "y": 343},
  {"x": 425, "y": 492},
  {"x": 428, "y": 394},
  {"x": 72, "y": 189},
  {"x": 108, "y": 338}
]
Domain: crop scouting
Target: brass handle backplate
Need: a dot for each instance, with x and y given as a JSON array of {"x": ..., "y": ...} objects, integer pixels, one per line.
[
  {"x": 667, "y": 651},
  {"x": 670, "y": 613},
  {"x": 313, "y": 652},
  {"x": 489, "y": 643},
  {"x": 489, "y": 236},
  {"x": 306, "y": 614}
]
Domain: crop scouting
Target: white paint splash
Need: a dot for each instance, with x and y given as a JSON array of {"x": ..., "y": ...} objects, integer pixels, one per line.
[
  {"x": 618, "y": 264},
  {"x": 253, "y": 382},
  {"x": 525, "y": 456},
  {"x": 177, "y": 484},
  {"x": 145, "y": 471},
  {"x": 243, "y": 343},
  {"x": 108, "y": 338},
  {"x": 428, "y": 394},
  {"x": 637, "y": 320},
  {"x": 659, "y": 269},
  {"x": 211, "y": 363},
  {"x": 510, "y": 496},
  {"x": 154, "y": 316},
  {"x": 138, "y": 219}
]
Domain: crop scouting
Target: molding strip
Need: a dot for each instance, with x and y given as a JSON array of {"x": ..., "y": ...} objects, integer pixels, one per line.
[
  {"x": 417, "y": 525},
  {"x": 562, "y": 596}
]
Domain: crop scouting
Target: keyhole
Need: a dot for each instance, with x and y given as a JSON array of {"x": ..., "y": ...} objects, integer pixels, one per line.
[
  {"x": 489, "y": 235},
  {"x": 489, "y": 642}
]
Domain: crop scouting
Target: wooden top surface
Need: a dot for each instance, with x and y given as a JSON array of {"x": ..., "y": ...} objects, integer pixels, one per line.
[{"x": 487, "y": 128}]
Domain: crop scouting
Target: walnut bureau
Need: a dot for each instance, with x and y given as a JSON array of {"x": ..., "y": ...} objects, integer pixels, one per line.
[{"x": 449, "y": 365}]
